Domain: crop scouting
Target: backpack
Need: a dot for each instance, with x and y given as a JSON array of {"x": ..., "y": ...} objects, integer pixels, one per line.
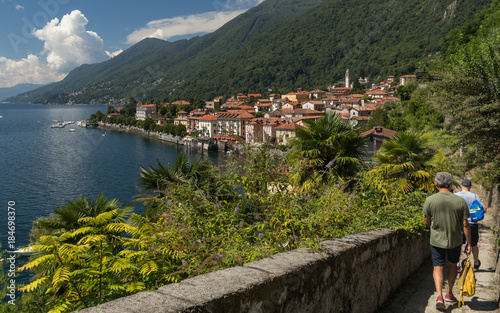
[
  {"x": 476, "y": 211},
  {"x": 466, "y": 282}
]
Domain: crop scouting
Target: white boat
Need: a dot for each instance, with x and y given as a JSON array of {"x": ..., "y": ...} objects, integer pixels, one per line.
[
  {"x": 82, "y": 124},
  {"x": 1, "y": 116},
  {"x": 72, "y": 130}
]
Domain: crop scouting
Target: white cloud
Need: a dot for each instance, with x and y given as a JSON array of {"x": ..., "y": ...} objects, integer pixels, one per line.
[
  {"x": 28, "y": 70},
  {"x": 183, "y": 25},
  {"x": 67, "y": 45},
  {"x": 19, "y": 7},
  {"x": 113, "y": 54},
  {"x": 224, "y": 11}
]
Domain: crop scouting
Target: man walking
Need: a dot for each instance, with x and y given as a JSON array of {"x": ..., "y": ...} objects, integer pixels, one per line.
[
  {"x": 469, "y": 197},
  {"x": 446, "y": 215}
]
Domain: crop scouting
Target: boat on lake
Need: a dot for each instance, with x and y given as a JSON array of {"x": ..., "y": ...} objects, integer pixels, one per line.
[{"x": 57, "y": 125}]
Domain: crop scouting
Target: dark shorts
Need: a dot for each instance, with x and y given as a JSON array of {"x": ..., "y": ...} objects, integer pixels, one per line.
[
  {"x": 474, "y": 234},
  {"x": 439, "y": 255}
]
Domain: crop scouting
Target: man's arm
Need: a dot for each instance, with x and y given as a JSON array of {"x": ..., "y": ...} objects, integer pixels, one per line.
[
  {"x": 427, "y": 221},
  {"x": 466, "y": 228}
]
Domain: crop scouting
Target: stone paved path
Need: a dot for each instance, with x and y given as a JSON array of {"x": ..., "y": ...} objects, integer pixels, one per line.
[{"x": 418, "y": 293}]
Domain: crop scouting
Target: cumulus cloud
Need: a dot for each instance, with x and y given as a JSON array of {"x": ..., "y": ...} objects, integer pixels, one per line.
[
  {"x": 183, "y": 25},
  {"x": 67, "y": 45},
  {"x": 28, "y": 70}
]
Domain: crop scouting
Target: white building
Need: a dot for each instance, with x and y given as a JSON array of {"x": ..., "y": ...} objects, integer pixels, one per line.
[
  {"x": 207, "y": 125},
  {"x": 144, "y": 111}
]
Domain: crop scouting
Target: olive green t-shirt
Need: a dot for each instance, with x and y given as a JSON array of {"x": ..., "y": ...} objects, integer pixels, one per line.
[{"x": 447, "y": 212}]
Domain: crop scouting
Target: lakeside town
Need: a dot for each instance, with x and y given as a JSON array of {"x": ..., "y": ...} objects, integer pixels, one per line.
[{"x": 255, "y": 118}]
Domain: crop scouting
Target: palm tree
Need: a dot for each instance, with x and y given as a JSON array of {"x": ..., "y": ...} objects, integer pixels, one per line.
[
  {"x": 79, "y": 267},
  {"x": 67, "y": 217},
  {"x": 409, "y": 161},
  {"x": 197, "y": 173},
  {"x": 327, "y": 150},
  {"x": 199, "y": 177}
]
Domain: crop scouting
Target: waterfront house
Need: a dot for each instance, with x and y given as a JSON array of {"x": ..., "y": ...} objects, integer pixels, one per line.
[
  {"x": 162, "y": 121},
  {"x": 207, "y": 125},
  {"x": 181, "y": 119},
  {"x": 144, "y": 111},
  {"x": 232, "y": 123}
]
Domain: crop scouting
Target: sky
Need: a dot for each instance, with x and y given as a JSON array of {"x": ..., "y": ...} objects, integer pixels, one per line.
[{"x": 41, "y": 41}]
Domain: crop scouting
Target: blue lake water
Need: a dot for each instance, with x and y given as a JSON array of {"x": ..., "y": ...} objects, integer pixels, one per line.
[{"x": 42, "y": 168}]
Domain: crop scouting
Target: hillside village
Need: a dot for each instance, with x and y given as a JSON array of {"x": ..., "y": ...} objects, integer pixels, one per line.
[{"x": 257, "y": 119}]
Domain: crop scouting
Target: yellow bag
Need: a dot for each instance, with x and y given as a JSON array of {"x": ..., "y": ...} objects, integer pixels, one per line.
[{"x": 466, "y": 282}]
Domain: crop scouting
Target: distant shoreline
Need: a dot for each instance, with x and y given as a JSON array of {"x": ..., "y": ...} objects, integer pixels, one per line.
[{"x": 142, "y": 132}]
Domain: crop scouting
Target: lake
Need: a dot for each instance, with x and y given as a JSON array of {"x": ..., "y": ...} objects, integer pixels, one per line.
[{"x": 42, "y": 168}]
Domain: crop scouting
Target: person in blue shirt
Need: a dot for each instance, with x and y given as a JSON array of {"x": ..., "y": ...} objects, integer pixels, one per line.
[{"x": 469, "y": 197}]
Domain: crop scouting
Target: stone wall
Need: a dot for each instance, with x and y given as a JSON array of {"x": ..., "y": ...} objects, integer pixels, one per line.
[
  {"x": 357, "y": 273},
  {"x": 493, "y": 204}
]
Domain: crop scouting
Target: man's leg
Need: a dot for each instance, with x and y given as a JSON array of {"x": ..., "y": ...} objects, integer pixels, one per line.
[
  {"x": 474, "y": 233},
  {"x": 453, "y": 258},
  {"x": 438, "y": 260},
  {"x": 438, "y": 279},
  {"x": 475, "y": 253},
  {"x": 452, "y": 276}
]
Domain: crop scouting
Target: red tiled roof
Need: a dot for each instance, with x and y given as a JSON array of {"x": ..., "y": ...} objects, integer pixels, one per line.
[
  {"x": 208, "y": 118},
  {"x": 392, "y": 99},
  {"x": 380, "y": 131},
  {"x": 349, "y": 100},
  {"x": 361, "y": 118},
  {"x": 289, "y": 126},
  {"x": 315, "y": 102},
  {"x": 147, "y": 106},
  {"x": 235, "y": 114},
  {"x": 376, "y": 92},
  {"x": 180, "y": 102}
]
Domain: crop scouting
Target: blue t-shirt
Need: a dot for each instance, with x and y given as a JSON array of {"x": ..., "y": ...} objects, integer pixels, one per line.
[{"x": 469, "y": 197}]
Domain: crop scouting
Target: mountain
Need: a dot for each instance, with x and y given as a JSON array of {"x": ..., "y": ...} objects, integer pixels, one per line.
[
  {"x": 280, "y": 44},
  {"x": 167, "y": 63},
  {"x": 15, "y": 90},
  {"x": 372, "y": 38}
]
